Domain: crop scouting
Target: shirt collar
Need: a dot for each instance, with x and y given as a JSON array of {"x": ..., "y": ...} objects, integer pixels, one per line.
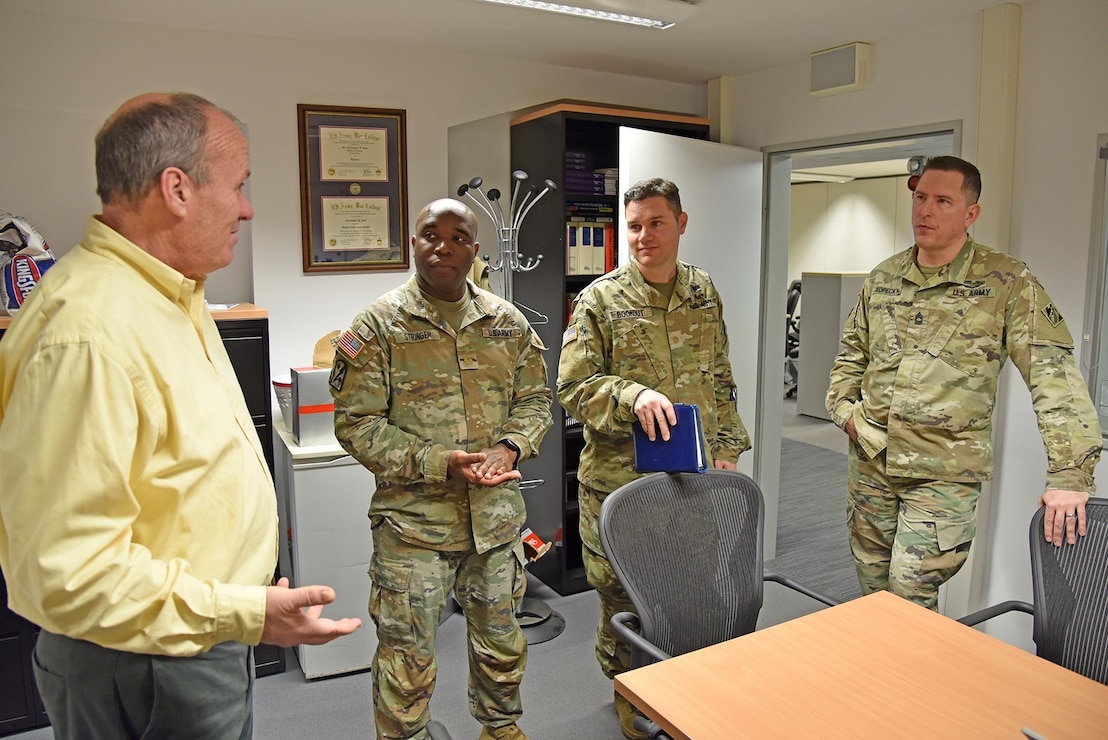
[
  {"x": 104, "y": 240},
  {"x": 953, "y": 272}
]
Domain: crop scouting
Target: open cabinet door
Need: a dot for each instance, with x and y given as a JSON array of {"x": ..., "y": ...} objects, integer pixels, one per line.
[{"x": 721, "y": 190}]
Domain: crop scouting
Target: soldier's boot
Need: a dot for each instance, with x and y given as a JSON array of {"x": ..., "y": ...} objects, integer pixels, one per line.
[
  {"x": 627, "y": 716},
  {"x": 506, "y": 732}
]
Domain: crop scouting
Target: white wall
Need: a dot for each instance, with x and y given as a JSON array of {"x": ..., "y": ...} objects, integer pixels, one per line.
[
  {"x": 933, "y": 76},
  {"x": 923, "y": 78},
  {"x": 62, "y": 76},
  {"x": 849, "y": 226},
  {"x": 1062, "y": 107}
]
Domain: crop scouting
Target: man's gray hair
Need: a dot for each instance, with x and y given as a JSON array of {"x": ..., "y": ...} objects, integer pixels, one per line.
[{"x": 136, "y": 146}]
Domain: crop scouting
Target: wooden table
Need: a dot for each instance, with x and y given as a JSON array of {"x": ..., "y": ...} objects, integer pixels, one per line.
[{"x": 875, "y": 667}]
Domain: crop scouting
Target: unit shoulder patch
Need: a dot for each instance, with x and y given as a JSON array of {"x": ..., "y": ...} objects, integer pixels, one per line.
[
  {"x": 1052, "y": 314},
  {"x": 338, "y": 375}
]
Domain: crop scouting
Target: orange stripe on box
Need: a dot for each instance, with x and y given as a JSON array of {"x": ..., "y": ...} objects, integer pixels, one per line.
[{"x": 321, "y": 408}]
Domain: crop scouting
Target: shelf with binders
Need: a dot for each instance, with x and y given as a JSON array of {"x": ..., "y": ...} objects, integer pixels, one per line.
[
  {"x": 590, "y": 234},
  {"x": 574, "y": 144},
  {"x": 590, "y": 245}
]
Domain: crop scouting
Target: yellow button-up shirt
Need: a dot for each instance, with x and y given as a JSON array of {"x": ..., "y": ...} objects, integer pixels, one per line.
[{"x": 136, "y": 507}]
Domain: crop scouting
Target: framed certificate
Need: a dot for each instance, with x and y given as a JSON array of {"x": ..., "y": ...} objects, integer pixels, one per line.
[{"x": 353, "y": 188}]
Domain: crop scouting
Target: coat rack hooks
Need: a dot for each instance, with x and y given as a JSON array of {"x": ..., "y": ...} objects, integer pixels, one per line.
[{"x": 507, "y": 227}]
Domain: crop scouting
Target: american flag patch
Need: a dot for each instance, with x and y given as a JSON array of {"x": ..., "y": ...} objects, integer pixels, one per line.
[
  {"x": 350, "y": 344},
  {"x": 569, "y": 335}
]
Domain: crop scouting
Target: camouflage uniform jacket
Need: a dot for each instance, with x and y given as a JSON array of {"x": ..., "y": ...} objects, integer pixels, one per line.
[
  {"x": 622, "y": 339},
  {"x": 920, "y": 358},
  {"x": 408, "y": 390}
]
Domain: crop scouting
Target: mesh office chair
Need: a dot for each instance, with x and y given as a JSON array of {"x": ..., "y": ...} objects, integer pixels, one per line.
[
  {"x": 687, "y": 549},
  {"x": 792, "y": 339},
  {"x": 1070, "y": 593}
]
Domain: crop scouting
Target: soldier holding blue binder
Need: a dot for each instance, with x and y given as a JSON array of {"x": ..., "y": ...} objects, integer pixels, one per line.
[{"x": 641, "y": 338}]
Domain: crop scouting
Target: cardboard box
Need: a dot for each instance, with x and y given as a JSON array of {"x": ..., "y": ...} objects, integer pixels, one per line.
[{"x": 313, "y": 409}]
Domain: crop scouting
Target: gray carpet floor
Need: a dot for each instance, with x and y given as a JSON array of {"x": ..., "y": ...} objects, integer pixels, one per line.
[
  {"x": 565, "y": 696},
  {"x": 812, "y": 545}
]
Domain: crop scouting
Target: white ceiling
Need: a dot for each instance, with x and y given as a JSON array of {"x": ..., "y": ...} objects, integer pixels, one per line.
[{"x": 719, "y": 38}]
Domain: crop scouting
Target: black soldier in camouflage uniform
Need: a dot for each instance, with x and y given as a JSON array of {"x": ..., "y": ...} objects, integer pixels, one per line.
[
  {"x": 440, "y": 390},
  {"x": 644, "y": 336},
  {"x": 914, "y": 386}
]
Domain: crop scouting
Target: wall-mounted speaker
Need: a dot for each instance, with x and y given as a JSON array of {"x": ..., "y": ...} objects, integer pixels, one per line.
[{"x": 841, "y": 69}]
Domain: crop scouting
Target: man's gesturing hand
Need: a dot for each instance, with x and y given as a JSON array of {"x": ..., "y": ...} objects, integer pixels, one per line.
[{"x": 292, "y": 616}]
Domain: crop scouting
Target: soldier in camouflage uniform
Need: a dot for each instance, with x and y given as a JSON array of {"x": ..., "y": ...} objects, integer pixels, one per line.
[
  {"x": 642, "y": 337},
  {"x": 441, "y": 390},
  {"x": 914, "y": 386}
]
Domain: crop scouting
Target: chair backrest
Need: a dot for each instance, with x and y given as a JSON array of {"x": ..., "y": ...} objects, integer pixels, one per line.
[
  {"x": 1071, "y": 595},
  {"x": 792, "y": 298},
  {"x": 792, "y": 321},
  {"x": 687, "y": 548}
]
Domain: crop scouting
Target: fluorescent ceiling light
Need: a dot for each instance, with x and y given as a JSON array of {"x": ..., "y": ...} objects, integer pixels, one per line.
[
  {"x": 648, "y": 13},
  {"x": 798, "y": 176}
]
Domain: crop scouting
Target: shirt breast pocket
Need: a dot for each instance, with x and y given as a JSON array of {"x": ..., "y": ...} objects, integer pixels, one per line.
[
  {"x": 969, "y": 341},
  {"x": 885, "y": 339},
  {"x": 707, "y": 356},
  {"x": 631, "y": 355},
  {"x": 958, "y": 383}
]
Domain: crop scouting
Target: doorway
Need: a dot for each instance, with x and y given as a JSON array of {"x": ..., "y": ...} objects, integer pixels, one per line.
[{"x": 801, "y": 456}]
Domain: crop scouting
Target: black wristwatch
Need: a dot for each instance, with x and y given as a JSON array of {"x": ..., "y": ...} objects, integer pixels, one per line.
[{"x": 514, "y": 448}]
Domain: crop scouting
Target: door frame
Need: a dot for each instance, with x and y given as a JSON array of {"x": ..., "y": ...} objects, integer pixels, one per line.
[{"x": 775, "y": 253}]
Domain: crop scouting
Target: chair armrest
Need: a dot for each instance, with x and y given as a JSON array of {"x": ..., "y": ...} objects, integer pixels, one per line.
[
  {"x": 437, "y": 731},
  {"x": 995, "y": 610},
  {"x": 786, "y": 581},
  {"x": 626, "y": 626},
  {"x": 653, "y": 731}
]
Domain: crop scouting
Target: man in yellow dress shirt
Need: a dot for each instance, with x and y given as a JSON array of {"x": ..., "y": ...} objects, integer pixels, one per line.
[{"x": 138, "y": 523}]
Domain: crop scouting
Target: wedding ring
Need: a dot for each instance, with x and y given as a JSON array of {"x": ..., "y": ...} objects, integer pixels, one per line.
[{"x": 1071, "y": 516}]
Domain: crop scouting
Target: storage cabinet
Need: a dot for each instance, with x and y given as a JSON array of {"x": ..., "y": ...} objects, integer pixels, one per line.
[
  {"x": 245, "y": 332},
  {"x": 540, "y": 140},
  {"x": 827, "y": 298},
  {"x": 20, "y": 705},
  {"x": 323, "y": 497}
]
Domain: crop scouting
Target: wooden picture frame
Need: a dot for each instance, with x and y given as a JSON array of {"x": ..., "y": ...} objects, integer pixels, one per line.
[{"x": 353, "y": 188}]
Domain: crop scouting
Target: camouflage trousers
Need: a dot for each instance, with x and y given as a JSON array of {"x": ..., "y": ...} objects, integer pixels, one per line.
[
  {"x": 908, "y": 536},
  {"x": 613, "y": 654},
  {"x": 410, "y": 586}
]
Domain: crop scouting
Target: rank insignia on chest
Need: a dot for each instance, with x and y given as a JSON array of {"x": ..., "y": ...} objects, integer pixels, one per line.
[
  {"x": 1053, "y": 315},
  {"x": 350, "y": 344}
]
